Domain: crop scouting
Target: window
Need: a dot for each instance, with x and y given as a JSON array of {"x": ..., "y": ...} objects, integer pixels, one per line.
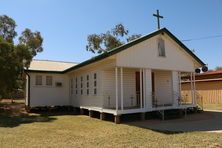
[
  {"x": 58, "y": 84},
  {"x": 76, "y": 86},
  {"x": 87, "y": 84},
  {"x": 76, "y": 83},
  {"x": 71, "y": 85},
  {"x": 49, "y": 80},
  {"x": 81, "y": 86},
  {"x": 161, "y": 48},
  {"x": 87, "y": 91},
  {"x": 38, "y": 80},
  {"x": 87, "y": 77},
  {"x": 95, "y": 84},
  {"x": 95, "y": 91}
]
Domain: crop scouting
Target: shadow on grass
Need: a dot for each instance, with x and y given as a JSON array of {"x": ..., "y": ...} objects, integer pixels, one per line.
[
  {"x": 205, "y": 122},
  {"x": 14, "y": 114},
  {"x": 13, "y": 121}
]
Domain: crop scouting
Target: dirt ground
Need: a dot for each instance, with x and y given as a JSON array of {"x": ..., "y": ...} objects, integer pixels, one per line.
[{"x": 209, "y": 121}]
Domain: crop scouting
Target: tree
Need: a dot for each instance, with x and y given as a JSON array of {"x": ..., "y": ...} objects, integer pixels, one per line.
[
  {"x": 9, "y": 68},
  {"x": 12, "y": 56},
  {"x": 7, "y": 28},
  {"x": 32, "y": 40},
  {"x": 100, "y": 43},
  {"x": 218, "y": 68}
]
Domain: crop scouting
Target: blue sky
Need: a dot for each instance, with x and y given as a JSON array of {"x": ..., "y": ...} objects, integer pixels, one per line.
[{"x": 65, "y": 24}]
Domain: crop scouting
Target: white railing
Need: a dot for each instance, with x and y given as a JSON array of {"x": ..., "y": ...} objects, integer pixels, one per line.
[
  {"x": 199, "y": 100},
  {"x": 154, "y": 100},
  {"x": 183, "y": 98}
]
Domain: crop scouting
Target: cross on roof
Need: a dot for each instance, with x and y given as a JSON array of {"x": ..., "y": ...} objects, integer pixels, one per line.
[{"x": 158, "y": 16}]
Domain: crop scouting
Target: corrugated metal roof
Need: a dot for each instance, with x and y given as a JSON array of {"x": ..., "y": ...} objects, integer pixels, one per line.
[
  {"x": 54, "y": 68},
  {"x": 210, "y": 73},
  {"x": 134, "y": 42},
  {"x": 47, "y": 65}
]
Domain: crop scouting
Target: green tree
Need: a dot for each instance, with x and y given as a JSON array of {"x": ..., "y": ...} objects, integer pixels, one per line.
[
  {"x": 13, "y": 57},
  {"x": 32, "y": 40},
  {"x": 100, "y": 43},
  {"x": 218, "y": 68},
  {"x": 7, "y": 28},
  {"x": 9, "y": 68}
]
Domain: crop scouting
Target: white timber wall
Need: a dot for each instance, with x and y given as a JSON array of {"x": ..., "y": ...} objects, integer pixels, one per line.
[
  {"x": 129, "y": 88},
  {"x": 145, "y": 55},
  {"x": 176, "y": 87},
  {"x": 148, "y": 88},
  {"x": 91, "y": 99},
  {"x": 163, "y": 87},
  {"x": 84, "y": 99},
  {"x": 42, "y": 95},
  {"x": 109, "y": 94}
]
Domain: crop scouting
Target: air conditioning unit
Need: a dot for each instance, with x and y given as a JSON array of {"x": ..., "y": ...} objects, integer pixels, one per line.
[{"x": 58, "y": 84}]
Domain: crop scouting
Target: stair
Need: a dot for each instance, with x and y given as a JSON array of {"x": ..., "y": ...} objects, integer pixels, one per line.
[{"x": 170, "y": 114}]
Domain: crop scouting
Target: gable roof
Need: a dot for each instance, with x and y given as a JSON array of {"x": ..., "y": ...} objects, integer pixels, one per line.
[
  {"x": 49, "y": 66},
  {"x": 134, "y": 42},
  {"x": 130, "y": 44}
]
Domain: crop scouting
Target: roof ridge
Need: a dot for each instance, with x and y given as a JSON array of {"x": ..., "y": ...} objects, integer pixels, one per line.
[
  {"x": 137, "y": 39},
  {"x": 54, "y": 61}
]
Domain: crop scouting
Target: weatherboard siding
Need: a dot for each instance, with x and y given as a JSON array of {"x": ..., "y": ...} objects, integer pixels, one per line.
[
  {"x": 129, "y": 90},
  {"x": 163, "y": 87},
  {"x": 49, "y": 95},
  {"x": 91, "y": 99},
  {"x": 145, "y": 55},
  {"x": 176, "y": 86},
  {"x": 85, "y": 99}
]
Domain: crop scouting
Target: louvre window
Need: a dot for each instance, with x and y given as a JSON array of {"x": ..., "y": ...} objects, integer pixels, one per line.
[
  {"x": 95, "y": 91},
  {"x": 76, "y": 86},
  {"x": 38, "y": 80},
  {"x": 81, "y": 91},
  {"x": 95, "y": 84},
  {"x": 87, "y": 84},
  {"x": 71, "y": 87},
  {"x": 49, "y": 80},
  {"x": 161, "y": 48}
]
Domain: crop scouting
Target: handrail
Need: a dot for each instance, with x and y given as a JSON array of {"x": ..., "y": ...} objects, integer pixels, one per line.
[
  {"x": 154, "y": 99},
  {"x": 199, "y": 100},
  {"x": 180, "y": 98}
]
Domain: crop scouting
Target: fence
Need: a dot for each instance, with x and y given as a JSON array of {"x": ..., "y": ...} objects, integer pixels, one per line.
[{"x": 209, "y": 96}]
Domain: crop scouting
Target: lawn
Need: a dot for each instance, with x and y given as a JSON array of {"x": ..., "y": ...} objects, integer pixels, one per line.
[{"x": 20, "y": 129}]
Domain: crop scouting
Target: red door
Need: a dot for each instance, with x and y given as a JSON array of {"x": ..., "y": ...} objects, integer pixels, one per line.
[
  {"x": 138, "y": 89},
  {"x": 153, "y": 90}
]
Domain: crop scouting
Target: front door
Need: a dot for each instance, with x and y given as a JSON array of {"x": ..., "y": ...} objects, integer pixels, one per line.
[
  {"x": 138, "y": 89},
  {"x": 154, "y": 100}
]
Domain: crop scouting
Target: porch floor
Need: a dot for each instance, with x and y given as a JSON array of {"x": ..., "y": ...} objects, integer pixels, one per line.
[{"x": 135, "y": 109}]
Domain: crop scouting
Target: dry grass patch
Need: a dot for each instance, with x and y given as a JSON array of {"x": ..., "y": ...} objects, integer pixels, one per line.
[
  {"x": 213, "y": 106},
  {"x": 83, "y": 131}
]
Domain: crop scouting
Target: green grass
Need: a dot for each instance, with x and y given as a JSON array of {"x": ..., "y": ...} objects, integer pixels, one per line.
[
  {"x": 213, "y": 106},
  {"x": 19, "y": 129}
]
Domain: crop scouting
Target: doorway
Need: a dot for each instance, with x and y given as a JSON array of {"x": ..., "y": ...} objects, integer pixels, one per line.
[{"x": 139, "y": 90}]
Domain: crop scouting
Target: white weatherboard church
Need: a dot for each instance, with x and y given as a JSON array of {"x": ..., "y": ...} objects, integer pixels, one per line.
[{"x": 141, "y": 76}]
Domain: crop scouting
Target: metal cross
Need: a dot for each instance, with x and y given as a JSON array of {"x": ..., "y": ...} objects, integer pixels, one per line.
[{"x": 158, "y": 16}]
